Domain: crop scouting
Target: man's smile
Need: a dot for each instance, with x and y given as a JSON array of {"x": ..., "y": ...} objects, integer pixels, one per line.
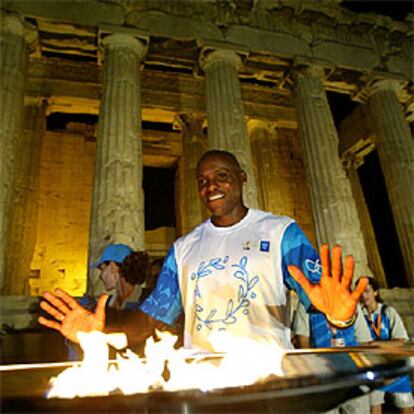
[{"x": 215, "y": 197}]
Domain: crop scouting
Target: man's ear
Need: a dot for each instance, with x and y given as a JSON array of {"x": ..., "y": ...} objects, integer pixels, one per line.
[{"x": 243, "y": 176}]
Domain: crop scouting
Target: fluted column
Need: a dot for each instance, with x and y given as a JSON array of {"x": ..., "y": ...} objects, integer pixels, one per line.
[
  {"x": 335, "y": 214},
  {"x": 118, "y": 200},
  {"x": 191, "y": 211},
  {"x": 23, "y": 217},
  {"x": 12, "y": 73},
  {"x": 395, "y": 146},
  {"x": 226, "y": 125}
]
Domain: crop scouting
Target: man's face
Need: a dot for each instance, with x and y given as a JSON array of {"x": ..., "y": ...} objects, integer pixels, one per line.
[
  {"x": 108, "y": 275},
  {"x": 220, "y": 186},
  {"x": 369, "y": 296}
]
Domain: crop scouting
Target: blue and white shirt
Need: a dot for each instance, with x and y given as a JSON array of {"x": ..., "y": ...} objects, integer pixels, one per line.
[
  {"x": 391, "y": 324},
  {"x": 234, "y": 279}
]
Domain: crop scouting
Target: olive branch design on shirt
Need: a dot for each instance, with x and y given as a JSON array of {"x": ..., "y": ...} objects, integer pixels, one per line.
[{"x": 245, "y": 292}]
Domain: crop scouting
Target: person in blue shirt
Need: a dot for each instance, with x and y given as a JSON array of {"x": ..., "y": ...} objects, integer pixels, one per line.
[
  {"x": 387, "y": 327},
  {"x": 310, "y": 329},
  {"x": 230, "y": 273}
]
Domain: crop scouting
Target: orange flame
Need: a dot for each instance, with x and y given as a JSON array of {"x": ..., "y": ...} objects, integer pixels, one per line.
[{"x": 242, "y": 362}]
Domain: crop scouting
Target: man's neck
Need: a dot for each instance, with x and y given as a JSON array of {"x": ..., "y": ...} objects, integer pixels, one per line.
[
  {"x": 230, "y": 220},
  {"x": 372, "y": 307},
  {"x": 125, "y": 290}
]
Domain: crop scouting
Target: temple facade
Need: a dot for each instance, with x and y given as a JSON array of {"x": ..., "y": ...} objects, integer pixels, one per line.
[{"x": 167, "y": 80}]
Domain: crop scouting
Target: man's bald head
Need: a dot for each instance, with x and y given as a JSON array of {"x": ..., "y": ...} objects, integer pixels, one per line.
[{"x": 221, "y": 154}]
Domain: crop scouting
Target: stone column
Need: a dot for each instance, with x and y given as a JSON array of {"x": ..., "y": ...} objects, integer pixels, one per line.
[
  {"x": 13, "y": 56},
  {"x": 118, "y": 201},
  {"x": 395, "y": 148},
  {"x": 23, "y": 220},
  {"x": 226, "y": 125},
  {"x": 190, "y": 207},
  {"x": 335, "y": 214}
]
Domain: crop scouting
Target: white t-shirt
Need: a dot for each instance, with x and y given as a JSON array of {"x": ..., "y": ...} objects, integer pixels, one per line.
[{"x": 233, "y": 279}]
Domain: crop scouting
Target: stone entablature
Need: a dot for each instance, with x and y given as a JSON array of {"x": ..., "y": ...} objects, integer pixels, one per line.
[
  {"x": 75, "y": 88},
  {"x": 272, "y": 31}
]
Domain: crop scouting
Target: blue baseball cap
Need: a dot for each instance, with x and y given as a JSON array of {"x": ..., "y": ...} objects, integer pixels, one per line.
[{"x": 114, "y": 253}]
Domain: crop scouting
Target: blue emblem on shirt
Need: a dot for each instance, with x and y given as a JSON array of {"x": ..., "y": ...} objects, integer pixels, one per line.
[{"x": 264, "y": 246}]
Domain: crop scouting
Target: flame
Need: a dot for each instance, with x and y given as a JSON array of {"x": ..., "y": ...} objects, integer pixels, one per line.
[{"x": 242, "y": 361}]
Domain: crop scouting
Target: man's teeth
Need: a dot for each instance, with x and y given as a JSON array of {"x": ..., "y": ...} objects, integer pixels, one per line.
[{"x": 215, "y": 197}]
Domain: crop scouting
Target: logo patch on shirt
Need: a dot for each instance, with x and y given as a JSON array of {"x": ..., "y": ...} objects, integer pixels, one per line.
[
  {"x": 264, "y": 246},
  {"x": 247, "y": 245}
]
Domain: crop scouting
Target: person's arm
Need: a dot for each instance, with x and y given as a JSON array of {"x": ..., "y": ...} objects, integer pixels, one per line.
[
  {"x": 331, "y": 295},
  {"x": 137, "y": 325},
  {"x": 297, "y": 250},
  {"x": 397, "y": 328},
  {"x": 300, "y": 328}
]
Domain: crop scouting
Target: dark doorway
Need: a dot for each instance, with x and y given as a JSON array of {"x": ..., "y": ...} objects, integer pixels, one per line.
[{"x": 158, "y": 187}]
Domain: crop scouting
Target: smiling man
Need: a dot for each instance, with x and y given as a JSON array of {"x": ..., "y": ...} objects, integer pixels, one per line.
[{"x": 231, "y": 273}]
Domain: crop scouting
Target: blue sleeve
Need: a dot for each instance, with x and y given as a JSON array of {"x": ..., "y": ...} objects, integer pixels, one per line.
[
  {"x": 297, "y": 250},
  {"x": 164, "y": 303},
  {"x": 88, "y": 302}
]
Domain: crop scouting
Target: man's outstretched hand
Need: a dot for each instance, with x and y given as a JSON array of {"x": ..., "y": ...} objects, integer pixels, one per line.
[
  {"x": 69, "y": 316},
  {"x": 332, "y": 295}
]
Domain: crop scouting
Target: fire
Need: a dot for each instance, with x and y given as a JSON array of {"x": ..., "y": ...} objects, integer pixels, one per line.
[{"x": 240, "y": 362}]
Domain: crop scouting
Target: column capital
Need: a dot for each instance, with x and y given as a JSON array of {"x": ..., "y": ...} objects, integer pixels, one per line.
[
  {"x": 381, "y": 82},
  {"x": 188, "y": 119},
  {"x": 388, "y": 84},
  {"x": 211, "y": 55},
  {"x": 310, "y": 68},
  {"x": 135, "y": 40},
  {"x": 193, "y": 127},
  {"x": 11, "y": 24},
  {"x": 15, "y": 25},
  {"x": 122, "y": 40}
]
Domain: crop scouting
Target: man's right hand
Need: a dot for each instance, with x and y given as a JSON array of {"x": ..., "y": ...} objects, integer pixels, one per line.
[{"x": 69, "y": 316}]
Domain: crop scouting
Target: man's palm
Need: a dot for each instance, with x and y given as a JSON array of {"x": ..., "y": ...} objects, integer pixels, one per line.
[
  {"x": 70, "y": 317},
  {"x": 332, "y": 296}
]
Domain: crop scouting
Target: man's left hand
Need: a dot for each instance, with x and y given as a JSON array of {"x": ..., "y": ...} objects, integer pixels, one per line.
[{"x": 332, "y": 295}]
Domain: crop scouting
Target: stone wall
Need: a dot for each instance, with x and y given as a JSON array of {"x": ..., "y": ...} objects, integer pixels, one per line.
[
  {"x": 65, "y": 189},
  {"x": 63, "y": 217}
]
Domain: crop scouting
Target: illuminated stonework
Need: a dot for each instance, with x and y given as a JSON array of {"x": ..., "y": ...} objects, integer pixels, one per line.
[{"x": 252, "y": 47}]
